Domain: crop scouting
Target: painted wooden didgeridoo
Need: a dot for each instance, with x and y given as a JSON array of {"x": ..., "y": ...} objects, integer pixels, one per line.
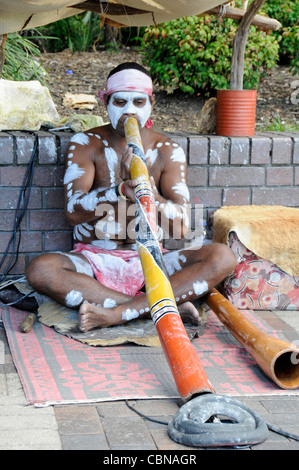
[
  {"x": 187, "y": 371},
  {"x": 278, "y": 359}
]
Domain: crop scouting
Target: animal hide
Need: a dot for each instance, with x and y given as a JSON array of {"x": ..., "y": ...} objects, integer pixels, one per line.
[{"x": 270, "y": 232}]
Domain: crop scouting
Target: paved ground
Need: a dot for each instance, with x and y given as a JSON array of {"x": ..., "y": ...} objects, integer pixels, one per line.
[{"x": 112, "y": 425}]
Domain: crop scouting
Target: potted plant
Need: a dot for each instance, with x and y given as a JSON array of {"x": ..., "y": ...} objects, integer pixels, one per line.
[{"x": 236, "y": 108}]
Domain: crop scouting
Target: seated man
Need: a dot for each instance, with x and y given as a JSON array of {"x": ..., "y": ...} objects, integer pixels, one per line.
[{"x": 102, "y": 277}]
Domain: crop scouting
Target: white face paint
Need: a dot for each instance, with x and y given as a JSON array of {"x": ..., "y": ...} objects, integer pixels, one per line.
[{"x": 129, "y": 99}]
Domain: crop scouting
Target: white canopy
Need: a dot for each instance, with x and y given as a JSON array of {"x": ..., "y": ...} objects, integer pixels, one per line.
[{"x": 16, "y": 15}]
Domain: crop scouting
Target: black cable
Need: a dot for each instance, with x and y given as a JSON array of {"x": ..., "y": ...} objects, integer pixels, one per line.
[
  {"x": 144, "y": 416},
  {"x": 22, "y": 205},
  {"x": 22, "y": 298},
  {"x": 282, "y": 432}
]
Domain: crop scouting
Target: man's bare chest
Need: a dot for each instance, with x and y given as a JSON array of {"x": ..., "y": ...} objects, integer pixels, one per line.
[{"x": 107, "y": 168}]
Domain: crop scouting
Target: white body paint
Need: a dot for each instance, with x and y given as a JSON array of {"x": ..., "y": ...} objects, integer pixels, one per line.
[
  {"x": 111, "y": 195},
  {"x": 178, "y": 155},
  {"x": 80, "y": 138},
  {"x": 81, "y": 265},
  {"x": 115, "y": 112},
  {"x": 152, "y": 155},
  {"x": 90, "y": 201},
  {"x": 73, "y": 298},
  {"x": 172, "y": 262},
  {"x": 169, "y": 209},
  {"x": 73, "y": 200},
  {"x": 105, "y": 244},
  {"x": 200, "y": 287},
  {"x": 130, "y": 314},
  {"x": 182, "y": 190},
  {"x": 72, "y": 173},
  {"x": 82, "y": 230},
  {"x": 112, "y": 159},
  {"x": 109, "y": 303},
  {"x": 110, "y": 228}
]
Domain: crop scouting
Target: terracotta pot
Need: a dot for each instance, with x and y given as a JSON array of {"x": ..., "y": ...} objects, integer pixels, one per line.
[{"x": 235, "y": 114}]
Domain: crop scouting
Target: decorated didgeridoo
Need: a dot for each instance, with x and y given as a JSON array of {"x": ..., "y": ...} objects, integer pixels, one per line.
[
  {"x": 187, "y": 371},
  {"x": 277, "y": 358}
]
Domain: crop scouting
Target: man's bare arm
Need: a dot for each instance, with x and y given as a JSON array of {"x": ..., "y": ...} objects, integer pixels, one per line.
[
  {"x": 172, "y": 195},
  {"x": 81, "y": 197}
]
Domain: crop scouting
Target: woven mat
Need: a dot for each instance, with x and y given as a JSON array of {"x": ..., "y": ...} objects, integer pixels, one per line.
[
  {"x": 142, "y": 331},
  {"x": 56, "y": 369}
]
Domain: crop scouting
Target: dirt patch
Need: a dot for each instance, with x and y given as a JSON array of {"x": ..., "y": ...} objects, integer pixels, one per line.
[{"x": 86, "y": 72}]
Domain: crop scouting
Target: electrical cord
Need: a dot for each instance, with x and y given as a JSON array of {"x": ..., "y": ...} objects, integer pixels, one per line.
[
  {"x": 144, "y": 416},
  {"x": 22, "y": 298},
  {"x": 21, "y": 208}
]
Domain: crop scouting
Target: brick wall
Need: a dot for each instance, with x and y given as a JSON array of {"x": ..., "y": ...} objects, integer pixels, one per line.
[{"x": 221, "y": 171}]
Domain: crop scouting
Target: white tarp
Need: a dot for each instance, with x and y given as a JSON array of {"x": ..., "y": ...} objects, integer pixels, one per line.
[{"x": 16, "y": 15}]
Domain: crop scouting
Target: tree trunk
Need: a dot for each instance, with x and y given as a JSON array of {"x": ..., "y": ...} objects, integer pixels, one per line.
[{"x": 237, "y": 64}]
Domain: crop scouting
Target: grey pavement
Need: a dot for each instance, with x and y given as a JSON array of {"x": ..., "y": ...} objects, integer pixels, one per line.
[{"x": 112, "y": 426}]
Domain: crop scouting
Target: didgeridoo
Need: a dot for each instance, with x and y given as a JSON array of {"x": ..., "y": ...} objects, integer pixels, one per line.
[{"x": 188, "y": 373}]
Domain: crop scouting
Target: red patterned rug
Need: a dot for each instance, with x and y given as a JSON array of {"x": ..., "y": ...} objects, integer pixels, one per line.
[{"x": 55, "y": 369}]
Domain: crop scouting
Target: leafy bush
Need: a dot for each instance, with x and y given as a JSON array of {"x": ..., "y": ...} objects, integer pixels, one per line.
[
  {"x": 194, "y": 54},
  {"x": 290, "y": 47},
  {"x": 287, "y": 13},
  {"x": 21, "y": 60}
]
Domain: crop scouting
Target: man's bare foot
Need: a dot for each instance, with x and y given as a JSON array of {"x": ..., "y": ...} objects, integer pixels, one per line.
[
  {"x": 92, "y": 316},
  {"x": 189, "y": 313}
]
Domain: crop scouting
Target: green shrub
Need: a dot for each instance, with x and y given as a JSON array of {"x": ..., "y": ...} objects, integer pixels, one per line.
[
  {"x": 77, "y": 33},
  {"x": 289, "y": 47},
  {"x": 194, "y": 54},
  {"x": 287, "y": 13},
  {"x": 21, "y": 60}
]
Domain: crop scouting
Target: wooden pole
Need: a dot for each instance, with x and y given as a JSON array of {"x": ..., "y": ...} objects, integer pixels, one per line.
[
  {"x": 237, "y": 64},
  {"x": 237, "y": 14}
]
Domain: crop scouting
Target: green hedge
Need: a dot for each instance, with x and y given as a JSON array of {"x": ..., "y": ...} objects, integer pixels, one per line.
[
  {"x": 194, "y": 54},
  {"x": 287, "y": 13}
]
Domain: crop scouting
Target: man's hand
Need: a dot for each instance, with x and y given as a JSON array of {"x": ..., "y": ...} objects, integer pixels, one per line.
[
  {"x": 128, "y": 189},
  {"x": 125, "y": 174}
]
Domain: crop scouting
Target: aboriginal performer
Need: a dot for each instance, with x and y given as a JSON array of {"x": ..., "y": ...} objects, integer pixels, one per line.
[{"x": 102, "y": 276}]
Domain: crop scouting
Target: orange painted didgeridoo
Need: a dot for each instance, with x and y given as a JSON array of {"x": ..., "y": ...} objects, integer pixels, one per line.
[{"x": 188, "y": 373}]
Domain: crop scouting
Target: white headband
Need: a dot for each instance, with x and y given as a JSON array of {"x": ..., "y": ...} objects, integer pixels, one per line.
[{"x": 127, "y": 80}]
